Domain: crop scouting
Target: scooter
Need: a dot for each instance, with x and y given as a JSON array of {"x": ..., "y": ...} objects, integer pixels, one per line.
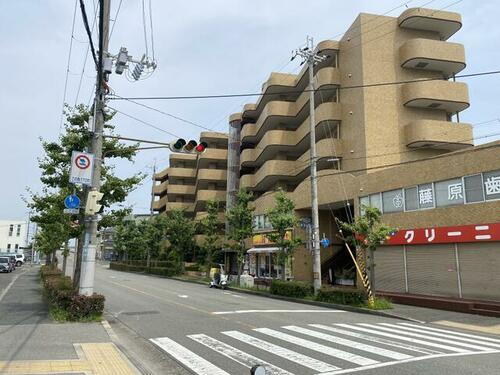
[{"x": 219, "y": 277}]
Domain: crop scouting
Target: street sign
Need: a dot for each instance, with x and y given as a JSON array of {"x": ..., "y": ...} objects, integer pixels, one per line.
[
  {"x": 305, "y": 222},
  {"x": 82, "y": 164},
  {"x": 72, "y": 201},
  {"x": 72, "y": 211},
  {"x": 325, "y": 242}
]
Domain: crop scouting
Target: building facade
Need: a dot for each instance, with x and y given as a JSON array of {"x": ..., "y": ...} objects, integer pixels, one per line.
[{"x": 12, "y": 236}]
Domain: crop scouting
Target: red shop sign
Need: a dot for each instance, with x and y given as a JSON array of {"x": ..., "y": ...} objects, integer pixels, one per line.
[{"x": 461, "y": 233}]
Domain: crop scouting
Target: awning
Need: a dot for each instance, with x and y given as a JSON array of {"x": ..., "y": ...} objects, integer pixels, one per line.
[{"x": 258, "y": 250}]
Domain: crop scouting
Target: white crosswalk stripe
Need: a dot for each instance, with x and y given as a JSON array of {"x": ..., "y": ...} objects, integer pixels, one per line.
[
  {"x": 301, "y": 359},
  {"x": 237, "y": 355},
  {"x": 412, "y": 340},
  {"x": 378, "y": 340},
  {"x": 425, "y": 328},
  {"x": 346, "y": 356},
  {"x": 418, "y": 330},
  {"x": 419, "y": 335},
  {"x": 353, "y": 344},
  {"x": 400, "y": 337},
  {"x": 191, "y": 360}
]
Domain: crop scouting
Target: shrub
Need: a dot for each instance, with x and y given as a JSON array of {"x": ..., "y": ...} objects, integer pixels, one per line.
[
  {"x": 291, "y": 288},
  {"x": 82, "y": 307},
  {"x": 169, "y": 269},
  {"x": 194, "y": 267},
  {"x": 381, "y": 304},
  {"x": 341, "y": 297},
  {"x": 48, "y": 271}
]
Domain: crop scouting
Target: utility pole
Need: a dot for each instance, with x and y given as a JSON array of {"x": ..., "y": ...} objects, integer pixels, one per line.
[
  {"x": 86, "y": 286},
  {"x": 313, "y": 57},
  {"x": 151, "y": 211}
]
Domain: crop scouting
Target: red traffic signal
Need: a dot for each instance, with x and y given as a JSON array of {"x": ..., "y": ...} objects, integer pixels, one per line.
[{"x": 201, "y": 147}]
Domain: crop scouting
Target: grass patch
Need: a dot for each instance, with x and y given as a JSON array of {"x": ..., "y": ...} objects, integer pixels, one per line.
[
  {"x": 380, "y": 303},
  {"x": 62, "y": 316}
]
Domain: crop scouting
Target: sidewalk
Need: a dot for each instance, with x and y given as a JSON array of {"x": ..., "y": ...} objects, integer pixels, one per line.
[{"x": 31, "y": 343}]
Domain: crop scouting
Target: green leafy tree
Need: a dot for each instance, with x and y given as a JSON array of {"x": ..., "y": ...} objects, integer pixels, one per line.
[
  {"x": 283, "y": 220},
  {"x": 180, "y": 232},
  {"x": 55, "y": 168},
  {"x": 210, "y": 226},
  {"x": 129, "y": 241},
  {"x": 366, "y": 233},
  {"x": 154, "y": 232},
  {"x": 240, "y": 222},
  {"x": 50, "y": 238}
]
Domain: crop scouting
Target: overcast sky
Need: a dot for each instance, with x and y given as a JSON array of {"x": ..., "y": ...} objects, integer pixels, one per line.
[{"x": 202, "y": 47}]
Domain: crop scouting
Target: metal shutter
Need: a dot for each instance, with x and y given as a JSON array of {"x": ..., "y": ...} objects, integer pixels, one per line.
[
  {"x": 479, "y": 270},
  {"x": 432, "y": 270},
  {"x": 389, "y": 269}
]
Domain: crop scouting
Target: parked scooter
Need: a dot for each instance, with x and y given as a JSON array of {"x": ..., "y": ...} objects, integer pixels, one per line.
[{"x": 219, "y": 277}]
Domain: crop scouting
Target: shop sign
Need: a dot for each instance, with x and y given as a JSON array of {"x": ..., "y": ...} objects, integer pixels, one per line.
[
  {"x": 261, "y": 238},
  {"x": 462, "y": 233}
]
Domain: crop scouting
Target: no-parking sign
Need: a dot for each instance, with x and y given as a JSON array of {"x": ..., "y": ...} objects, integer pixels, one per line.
[{"x": 82, "y": 165}]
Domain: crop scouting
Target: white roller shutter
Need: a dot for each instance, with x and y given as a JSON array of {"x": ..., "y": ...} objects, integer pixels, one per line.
[
  {"x": 480, "y": 270},
  {"x": 432, "y": 270},
  {"x": 389, "y": 269}
]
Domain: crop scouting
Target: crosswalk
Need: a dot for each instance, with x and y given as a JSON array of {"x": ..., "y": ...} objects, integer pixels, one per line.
[{"x": 327, "y": 349}]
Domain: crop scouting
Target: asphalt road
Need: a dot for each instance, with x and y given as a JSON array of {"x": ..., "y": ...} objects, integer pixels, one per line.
[{"x": 191, "y": 329}]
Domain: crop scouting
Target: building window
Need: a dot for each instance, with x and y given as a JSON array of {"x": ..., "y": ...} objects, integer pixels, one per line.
[
  {"x": 376, "y": 201},
  {"x": 491, "y": 185},
  {"x": 261, "y": 222},
  {"x": 449, "y": 192},
  {"x": 18, "y": 232},
  {"x": 425, "y": 196},
  {"x": 8, "y": 247},
  {"x": 11, "y": 230},
  {"x": 474, "y": 188},
  {"x": 392, "y": 201},
  {"x": 16, "y": 247},
  {"x": 411, "y": 199}
]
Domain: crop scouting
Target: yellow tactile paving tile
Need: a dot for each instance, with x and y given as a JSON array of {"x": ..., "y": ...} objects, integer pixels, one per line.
[{"x": 98, "y": 359}]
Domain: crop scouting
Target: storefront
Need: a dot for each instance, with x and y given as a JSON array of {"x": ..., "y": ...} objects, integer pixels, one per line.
[{"x": 461, "y": 262}]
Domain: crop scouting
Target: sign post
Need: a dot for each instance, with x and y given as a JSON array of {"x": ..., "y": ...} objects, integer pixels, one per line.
[{"x": 82, "y": 164}]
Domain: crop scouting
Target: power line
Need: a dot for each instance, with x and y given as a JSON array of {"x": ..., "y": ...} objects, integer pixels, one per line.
[
  {"x": 144, "y": 27},
  {"x": 89, "y": 33},
  {"x": 116, "y": 17},
  {"x": 379, "y": 84},
  {"x": 67, "y": 66},
  {"x": 152, "y": 31}
]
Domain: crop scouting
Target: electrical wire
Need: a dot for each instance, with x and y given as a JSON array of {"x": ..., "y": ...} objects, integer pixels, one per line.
[
  {"x": 67, "y": 66},
  {"x": 115, "y": 19},
  {"x": 144, "y": 27},
  {"x": 89, "y": 33},
  {"x": 152, "y": 31}
]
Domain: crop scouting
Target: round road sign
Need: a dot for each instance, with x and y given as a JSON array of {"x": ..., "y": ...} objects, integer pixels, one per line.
[{"x": 82, "y": 161}]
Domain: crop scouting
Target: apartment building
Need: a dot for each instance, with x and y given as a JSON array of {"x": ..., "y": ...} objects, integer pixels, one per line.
[
  {"x": 191, "y": 180},
  {"x": 12, "y": 236}
]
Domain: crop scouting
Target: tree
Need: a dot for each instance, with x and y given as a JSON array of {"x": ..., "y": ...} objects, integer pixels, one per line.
[
  {"x": 282, "y": 218},
  {"x": 366, "y": 233},
  {"x": 210, "y": 227},
  {"x": 154, "y": 232},
  {"x": 239, "y": 218},
  {"x": 55, "y": 169},
  {"x": 129, "y": 241},
  {"x": 180, "y": 233}
]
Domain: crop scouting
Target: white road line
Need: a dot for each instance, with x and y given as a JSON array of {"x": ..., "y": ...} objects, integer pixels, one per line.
[
  {"x": 4, "y": 292},
  {"x": 474, "y": 341},
  {"x": 415, "y": 359},
  {"x": 301, "y": 359},
  {"x": 237, "y": 355},
  {"x": 182, "y": 296},
  {"x": 189, "y": 359},
  {"x": 401, "y": 331},
  {"x": 399, "y": 337},
  {"x": 376, "y": 339},
  {"x": 275, "y": 311},
  {"x": 346, "y": 356},
  {"x": 352, "y": 344},
  {"x": 451, "y": 332}
]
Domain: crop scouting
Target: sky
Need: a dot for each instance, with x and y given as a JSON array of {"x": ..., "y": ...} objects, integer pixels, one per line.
[{"x": 202, "y": 47}]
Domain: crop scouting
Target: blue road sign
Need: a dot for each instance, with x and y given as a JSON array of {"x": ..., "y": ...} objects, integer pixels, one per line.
[
  {"x": 325, "y": 242},
  {"x": 72, "y": 201}
]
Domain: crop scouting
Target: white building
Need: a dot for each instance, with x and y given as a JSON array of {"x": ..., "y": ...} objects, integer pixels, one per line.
[{"x": 12, "y": 236}]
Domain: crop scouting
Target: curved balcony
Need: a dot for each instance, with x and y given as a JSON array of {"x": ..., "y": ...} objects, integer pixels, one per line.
[
  {"x": 160, "y": 176},
  {"x": 441, "y": 95},
  {"x": 294, "y": 113},
  {"x": 161, "y": 188},
  {"x": 203, "y": 214},
  {"x": 439, "y": 135},
  {"x": 202, "y": 196},
  {"x": 160, "y": 204},
  {"x": 213, "y": 154},
  {"x": 435, "y": 55},
  {"x": 183, "y": 206},
  {"x": 211, "y": 175},
  {"x": 180, "y": 189},
  {"x": 181, "y": 172},
  {"x": 444, "y": 23},
  {"x": 274, "y": 141},
  {"x": 292, "y": 171}
]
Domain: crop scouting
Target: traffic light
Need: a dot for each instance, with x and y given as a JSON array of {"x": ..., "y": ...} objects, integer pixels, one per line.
[
  {"x": 191, "y": 147},
  {"x": 177, "y": 145},
  {"x": 92, "y": 206},
  {"x": 201, "y": 147}
]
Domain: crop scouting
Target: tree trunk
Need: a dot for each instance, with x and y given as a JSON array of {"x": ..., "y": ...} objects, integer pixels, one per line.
[
  {"x": 65, "y": 258},
  {"x": 54, "y": 257},
  {"x": 361, "y": 259},
  {"x": 283, "y": 270},
  {"x": 47, "y": 259},
  {"x": 240, "y": 263},
  {"x": 78, "y": 263}
]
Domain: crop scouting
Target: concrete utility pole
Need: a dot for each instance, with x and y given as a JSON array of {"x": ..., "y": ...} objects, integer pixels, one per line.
[
  {"x": 312, "y": 57},
  {"x": 233, "y": 162},
  {"x": 89, "y": 250}
]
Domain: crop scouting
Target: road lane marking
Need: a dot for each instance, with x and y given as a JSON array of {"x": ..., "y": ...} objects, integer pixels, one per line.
[
  {"x": 458, "y": 325},
  {"x": 4, "y": 292},
  {"x": 275, "y": 311},
  {"x": 399, "y": 337},
  {"x": 401, "y": 331},
  {"x": 189, "y": 359},
  {"x": 337, "y": 353},
  {"x": 378, "y": 340},
  {"x": 449, "y": 336},
  {"x": 299, "y": 358},
  {"x": 237, "y": 355},
  {"x": 182, "y": 296},
  {"x": 352, "y": 344}
]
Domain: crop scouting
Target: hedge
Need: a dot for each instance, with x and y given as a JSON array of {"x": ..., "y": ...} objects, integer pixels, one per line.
[
  {"x": 341, "y": 297},
  {"x": 59, "y": 291},
  {"x": 294, "y": 289},
  {"x": 170, "y": 269}
]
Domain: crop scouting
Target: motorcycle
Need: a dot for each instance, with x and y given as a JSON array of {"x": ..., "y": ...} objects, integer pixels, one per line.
[{"x": 219, "y": 277}]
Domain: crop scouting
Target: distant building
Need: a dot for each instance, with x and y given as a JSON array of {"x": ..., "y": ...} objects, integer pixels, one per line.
[{"x": 12, "y": 236}]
